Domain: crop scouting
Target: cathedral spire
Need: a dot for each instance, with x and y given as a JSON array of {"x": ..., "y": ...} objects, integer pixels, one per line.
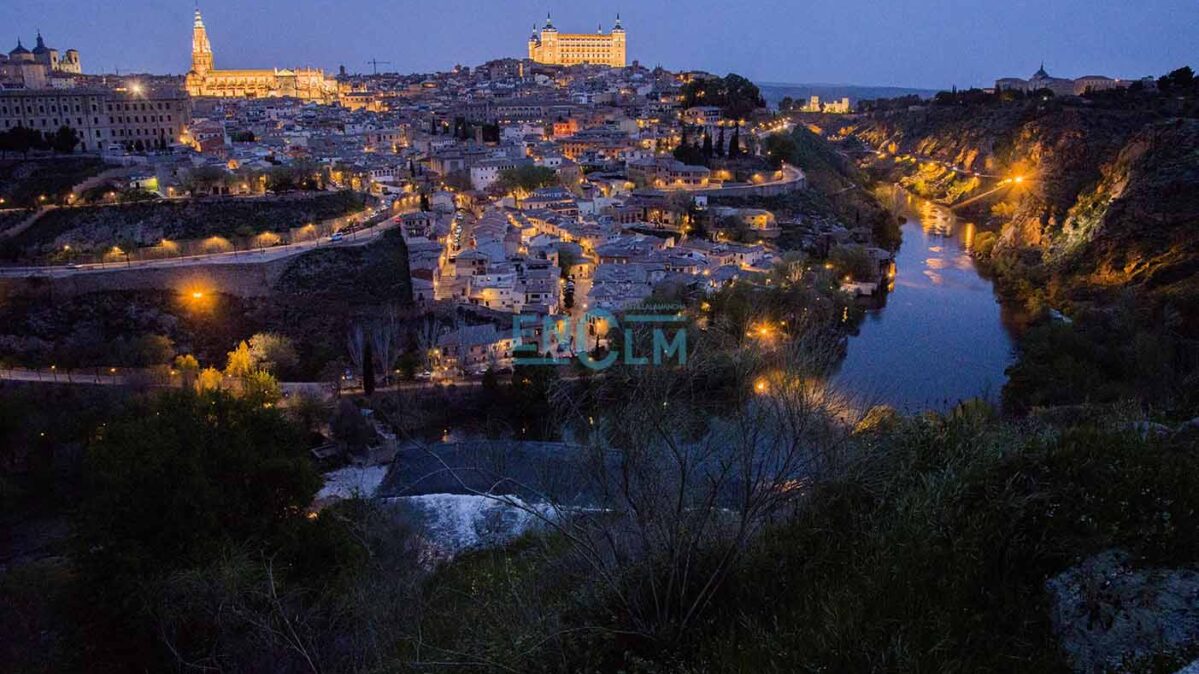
[{"x": 201, "y": 48}]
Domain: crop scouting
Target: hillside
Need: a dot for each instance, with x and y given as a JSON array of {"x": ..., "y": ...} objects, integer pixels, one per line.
[
  {"x": 1101, "y": 227},
  {"x": 1108, "y": 195},
  {"x": 97, "y": 228}
]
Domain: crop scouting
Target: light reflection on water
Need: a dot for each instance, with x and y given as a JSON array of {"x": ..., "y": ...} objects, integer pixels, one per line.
[{"x": 941, "y": 336}]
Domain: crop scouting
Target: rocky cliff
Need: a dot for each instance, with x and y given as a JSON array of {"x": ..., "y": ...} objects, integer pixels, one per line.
[{"x": 1108, "y": 198}]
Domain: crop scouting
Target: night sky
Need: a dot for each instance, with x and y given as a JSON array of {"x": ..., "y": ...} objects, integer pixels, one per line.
[{"x": 918, "y": 43}]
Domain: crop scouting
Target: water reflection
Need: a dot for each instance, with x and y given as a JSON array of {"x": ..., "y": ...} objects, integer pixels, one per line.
[{"x": 941, "y": 336}]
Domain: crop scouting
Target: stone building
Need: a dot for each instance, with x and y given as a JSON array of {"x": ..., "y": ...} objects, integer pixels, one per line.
[
  {"x": 33, "y": 68},
  {"x": 103, "y": 118},
  {"x": 568, "y": 49},
  {"x": 1042, "y": 80},
  {"x": 309, "y": 84}
]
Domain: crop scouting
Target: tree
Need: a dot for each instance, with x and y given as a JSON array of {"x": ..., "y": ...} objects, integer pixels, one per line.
[
  {"x": 368, "y": 368},
  {"x": 64, "y": 140},
  {"x": 261, "y": 388},
  {"x": 350, "y": 428},
  {"x": 424, "y": 202},
  {"x": 706, "y": 149},
  {"x": 143, "y": 350},
  {"x": 273, "y": 353},
  {"x": 188, "y": 368},
  {"x": 210, "y": 379},
  {"x": 720, "y": 143},
  {"x": 780, "y": 147},
  {"x": 1181, "y": 80},
  {"x": 736, "y": 96},
  {"x": 491, "y": 382},
  {"x": 205, "y": 179},
  {"x": 786, "y": 104},
  {"x": 22, "y": 139},
  {"x": 735, "y": 144},
  {"x": 525, "y": 179},
  {"x": 855, "y": 262},
  {"x": 689, "y": 154},
  {"x": 240, "y": 361},
  {"x": 176, "y": 485}
]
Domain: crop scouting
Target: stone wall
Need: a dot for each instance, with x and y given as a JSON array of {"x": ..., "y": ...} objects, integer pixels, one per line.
[{"x": 242, "y": 280}]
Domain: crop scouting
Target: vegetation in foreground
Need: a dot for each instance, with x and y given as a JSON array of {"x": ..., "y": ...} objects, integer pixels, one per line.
[{"x": 896, "y": 544}]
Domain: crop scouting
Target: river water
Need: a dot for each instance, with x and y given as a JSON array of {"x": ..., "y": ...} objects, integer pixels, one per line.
[{"x": 941, "y": 335}]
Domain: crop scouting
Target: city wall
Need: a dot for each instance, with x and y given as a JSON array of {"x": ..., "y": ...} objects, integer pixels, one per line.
[{"x": 242, "y": 280}]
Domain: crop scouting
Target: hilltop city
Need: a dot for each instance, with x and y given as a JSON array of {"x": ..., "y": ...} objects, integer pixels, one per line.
[{"x": 560, "y": 362}]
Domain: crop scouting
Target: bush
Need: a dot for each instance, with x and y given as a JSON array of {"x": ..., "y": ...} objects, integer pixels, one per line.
[{"x": 932, "y": 553}]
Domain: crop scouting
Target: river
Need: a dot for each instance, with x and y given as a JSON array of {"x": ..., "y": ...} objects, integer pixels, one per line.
[{"x": 941, "y": 335}]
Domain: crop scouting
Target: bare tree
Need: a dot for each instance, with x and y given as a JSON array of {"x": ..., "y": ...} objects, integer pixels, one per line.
[
  {"x": 428, "y": 332},
  {"x": 677, "y": 492},
  {"x": 356, "y": 346},
  {"x": 384, "y": 336}
]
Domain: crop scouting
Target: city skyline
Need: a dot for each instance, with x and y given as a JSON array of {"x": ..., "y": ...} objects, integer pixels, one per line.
[{"x": 941, "y": 44}]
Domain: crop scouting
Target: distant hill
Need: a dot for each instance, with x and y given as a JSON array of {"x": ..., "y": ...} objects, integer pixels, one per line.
[{"x": 774, "y": 92}]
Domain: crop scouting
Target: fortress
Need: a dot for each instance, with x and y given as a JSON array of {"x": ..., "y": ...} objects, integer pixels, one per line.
[
  {"x": 309, "y": 84},
  {"x": 568, "y": 49}
]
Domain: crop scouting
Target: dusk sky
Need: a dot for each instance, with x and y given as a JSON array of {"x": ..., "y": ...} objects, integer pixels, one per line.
[{"x": 918, "y": 43}]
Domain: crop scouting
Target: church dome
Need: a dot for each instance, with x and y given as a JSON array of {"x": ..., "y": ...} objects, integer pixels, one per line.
[
  {"x": 1041, "y": 74},
  {"x": 41, "y": 47},
  {"x": 20, "y": 50}
]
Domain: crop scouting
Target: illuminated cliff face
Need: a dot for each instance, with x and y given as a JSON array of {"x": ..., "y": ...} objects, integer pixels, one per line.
[{"x": 567, "y": 49}]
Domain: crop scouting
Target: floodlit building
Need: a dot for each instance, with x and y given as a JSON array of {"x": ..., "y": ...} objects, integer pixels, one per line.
[
  {"x": 309, "y": 84},
  {"x": 568, "y": 49},
  {"x": 143, "y": 120}
]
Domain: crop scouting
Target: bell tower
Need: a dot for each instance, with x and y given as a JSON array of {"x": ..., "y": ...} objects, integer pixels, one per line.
[{"x": 201, "y": 49}]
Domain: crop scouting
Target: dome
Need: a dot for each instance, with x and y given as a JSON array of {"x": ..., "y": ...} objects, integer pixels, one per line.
[
  {"x": 1041, "y": 74},
  {"x": 20, "y": 50},
  {"x": 41, "y": 47}
]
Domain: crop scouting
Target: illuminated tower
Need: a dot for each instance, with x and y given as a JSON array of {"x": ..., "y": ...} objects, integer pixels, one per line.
[
  {"x": 619, "y": 45},
  {"x": 549, "y": 42},
  {"x": 534, "y": 44},
  {"x": 201, "y": 49}
]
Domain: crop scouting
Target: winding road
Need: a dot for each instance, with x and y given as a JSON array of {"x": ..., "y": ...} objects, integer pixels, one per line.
[{"x": 259, "y": 256}]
